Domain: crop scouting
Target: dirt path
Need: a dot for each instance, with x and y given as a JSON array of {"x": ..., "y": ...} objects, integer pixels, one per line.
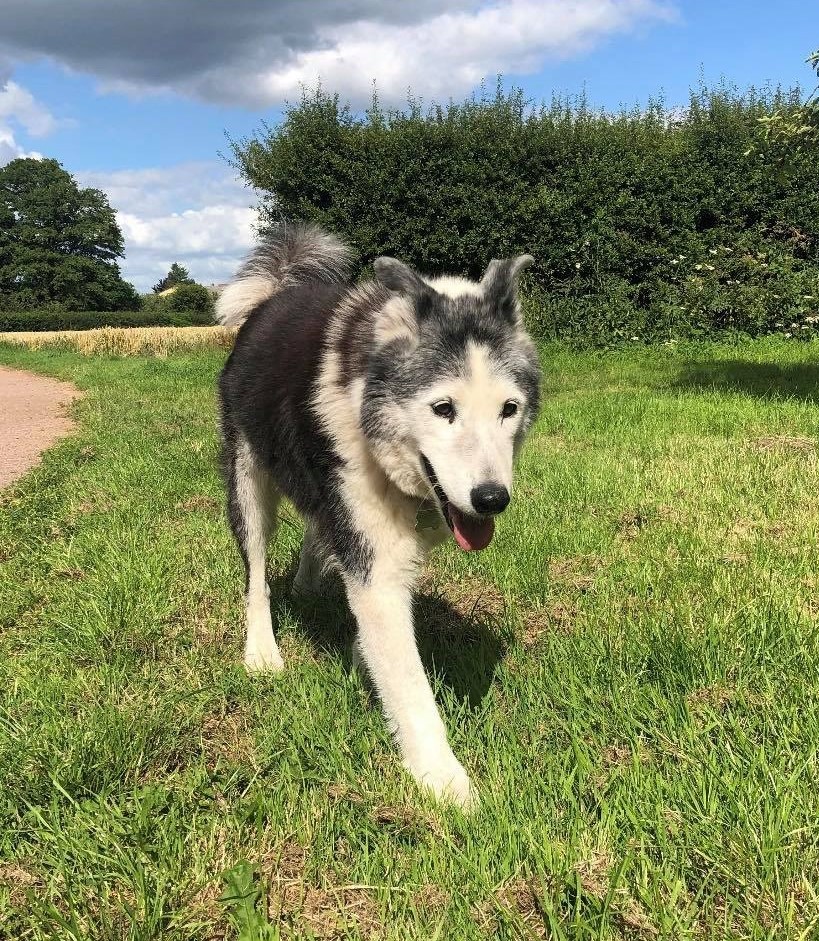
[{"x": 32, "y": 418}]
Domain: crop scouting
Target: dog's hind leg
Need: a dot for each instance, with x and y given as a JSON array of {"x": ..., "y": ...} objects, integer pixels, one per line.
[
  {"x": 252, "y": 503},
  {"x": 311, "y": 563}
]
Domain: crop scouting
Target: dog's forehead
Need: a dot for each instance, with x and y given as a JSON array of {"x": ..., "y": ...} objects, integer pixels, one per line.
[
  {"x": 459, "y": 307},
  {"x": 444, "y": 347},
  {"x": 453, "y": 323},
  {"x": 476, "y": 374}
]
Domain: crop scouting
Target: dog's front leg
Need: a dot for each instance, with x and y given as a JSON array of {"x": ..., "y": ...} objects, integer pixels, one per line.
[{"x": 386, "y": 642}]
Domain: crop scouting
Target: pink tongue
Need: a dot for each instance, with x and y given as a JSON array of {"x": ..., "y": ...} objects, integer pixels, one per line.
[{"x": 470, "y": 533}]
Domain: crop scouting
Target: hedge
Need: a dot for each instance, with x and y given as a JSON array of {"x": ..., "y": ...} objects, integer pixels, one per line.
[
  {"x": 52, "y": 319},
  {"x": 652, "y": 223}
]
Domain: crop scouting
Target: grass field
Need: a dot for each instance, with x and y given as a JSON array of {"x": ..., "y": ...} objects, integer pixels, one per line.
[{"x": 630, "y": 674}]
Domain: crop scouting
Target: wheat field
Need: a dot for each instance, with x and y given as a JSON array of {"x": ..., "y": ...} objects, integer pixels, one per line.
[{"x": 125, "y": 341}]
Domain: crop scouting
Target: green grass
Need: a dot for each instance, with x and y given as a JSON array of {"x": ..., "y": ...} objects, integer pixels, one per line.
[{"x": 630, "y": 673}]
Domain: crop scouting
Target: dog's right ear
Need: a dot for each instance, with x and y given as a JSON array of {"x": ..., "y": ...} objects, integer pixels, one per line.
[
  {"x": 400, "y": 316},
  {"x": 397, "y": 276}
]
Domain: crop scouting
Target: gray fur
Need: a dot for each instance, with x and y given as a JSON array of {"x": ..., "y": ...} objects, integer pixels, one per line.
[
  {"x": 397, "y": 276},
  {"x": 290, "y": 254}
]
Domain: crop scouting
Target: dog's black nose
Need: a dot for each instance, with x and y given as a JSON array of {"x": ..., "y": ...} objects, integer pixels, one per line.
[{"x": 489, "y": 499}]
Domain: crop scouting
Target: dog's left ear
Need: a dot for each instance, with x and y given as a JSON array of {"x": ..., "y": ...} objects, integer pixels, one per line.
[{"x": 500, "y": 284}]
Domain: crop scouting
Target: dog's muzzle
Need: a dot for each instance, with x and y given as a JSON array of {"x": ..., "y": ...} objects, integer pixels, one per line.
[{"x": 471, "y": 532}]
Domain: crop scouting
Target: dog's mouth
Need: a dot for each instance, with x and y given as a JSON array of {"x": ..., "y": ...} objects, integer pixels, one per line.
[{"x": 472, "y": 533}]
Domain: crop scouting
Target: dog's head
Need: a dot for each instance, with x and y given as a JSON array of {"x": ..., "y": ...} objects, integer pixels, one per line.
[{"x": 452, "y": 390}]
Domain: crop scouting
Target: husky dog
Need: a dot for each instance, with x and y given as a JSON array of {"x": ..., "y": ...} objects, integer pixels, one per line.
[{"x": 371, "y": 407}]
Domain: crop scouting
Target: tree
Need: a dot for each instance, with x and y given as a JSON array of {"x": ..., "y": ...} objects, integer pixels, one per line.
[
  {"x": 58, "y": 243},
  {"x": 789, "y": 130},
  {"x": 178, "y": 274},
  {"x": 190, "y": 297}
]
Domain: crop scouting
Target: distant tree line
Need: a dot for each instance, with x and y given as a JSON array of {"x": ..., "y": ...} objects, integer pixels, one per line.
[
  {"x": 58, "y": 242},
  {"x": 59, "y": 245},
  {"x": 177, "y": 274},
  {"x": 180, "y": 293},
  {"x": 651, "y": 223}
]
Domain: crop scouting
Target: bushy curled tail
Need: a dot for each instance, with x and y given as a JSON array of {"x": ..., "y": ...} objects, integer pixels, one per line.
[{"x": 292, "y": 253}]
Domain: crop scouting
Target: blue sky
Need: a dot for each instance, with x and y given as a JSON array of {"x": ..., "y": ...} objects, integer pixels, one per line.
[{"x": 139, "y": 104}]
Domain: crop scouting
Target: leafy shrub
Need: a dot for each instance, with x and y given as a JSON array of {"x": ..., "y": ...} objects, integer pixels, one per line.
[
  {"x": 647, "y": 224},
  {"x": 177, "y": 274},
  {"x": 55, "y": 319},
  {"x": 789, "y": 130},
  {"x": 190, "y": 297}
]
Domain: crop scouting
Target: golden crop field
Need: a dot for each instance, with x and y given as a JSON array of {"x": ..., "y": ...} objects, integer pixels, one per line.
[{"x": 125, "y": 341}]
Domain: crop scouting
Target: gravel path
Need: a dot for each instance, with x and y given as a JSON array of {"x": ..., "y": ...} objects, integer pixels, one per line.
[{"x": 32, "y": 418}]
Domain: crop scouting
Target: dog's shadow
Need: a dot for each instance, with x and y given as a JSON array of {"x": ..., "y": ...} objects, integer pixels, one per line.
[{"x": 463, "y": 649}]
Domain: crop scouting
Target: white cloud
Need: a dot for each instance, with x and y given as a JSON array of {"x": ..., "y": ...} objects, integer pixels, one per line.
[
  {"x": 257, "y": 54},
  {"x": 449, "y": 54},
  {"x": 10, "y": 149},
  {"x": 19, "y": 108},
  {"x": 197, "y": 214}
]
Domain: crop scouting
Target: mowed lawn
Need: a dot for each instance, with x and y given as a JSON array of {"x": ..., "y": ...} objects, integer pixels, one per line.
[{"x": 630, "y": 673}]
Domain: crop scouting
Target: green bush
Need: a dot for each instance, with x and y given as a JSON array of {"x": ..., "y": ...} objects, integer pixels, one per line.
[
  {"x": 56, "y": 319},
  {"x": 648, "y": 224},
  {"x": 190, "y": 297}
]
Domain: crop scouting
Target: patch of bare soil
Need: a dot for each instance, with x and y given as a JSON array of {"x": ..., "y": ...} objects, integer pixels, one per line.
[
  {"x": 784, "y": 443},
  {"x": 576, "y": 573},
  {"x": 519, "y": 898},
  {"x": 19, "y": 880},
  {"x": 472, "y": 598},
  {"x": 328, "y": 911},
  {"x": 557, "y": 618},
  {"x": 32, "y": 417}
]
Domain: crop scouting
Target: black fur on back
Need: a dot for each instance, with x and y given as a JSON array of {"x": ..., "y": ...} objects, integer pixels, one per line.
[{"x": 266, "y": 391}]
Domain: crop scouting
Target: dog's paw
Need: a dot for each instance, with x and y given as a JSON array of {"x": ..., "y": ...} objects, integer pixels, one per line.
[
  {"x": 449, "y": 782},
  {"x": 263, "y": 660}
]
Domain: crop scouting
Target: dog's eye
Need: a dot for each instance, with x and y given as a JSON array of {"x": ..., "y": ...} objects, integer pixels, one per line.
[
  {"x": 509, "y": 409},
  {"x": 444, "y": 409}
]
